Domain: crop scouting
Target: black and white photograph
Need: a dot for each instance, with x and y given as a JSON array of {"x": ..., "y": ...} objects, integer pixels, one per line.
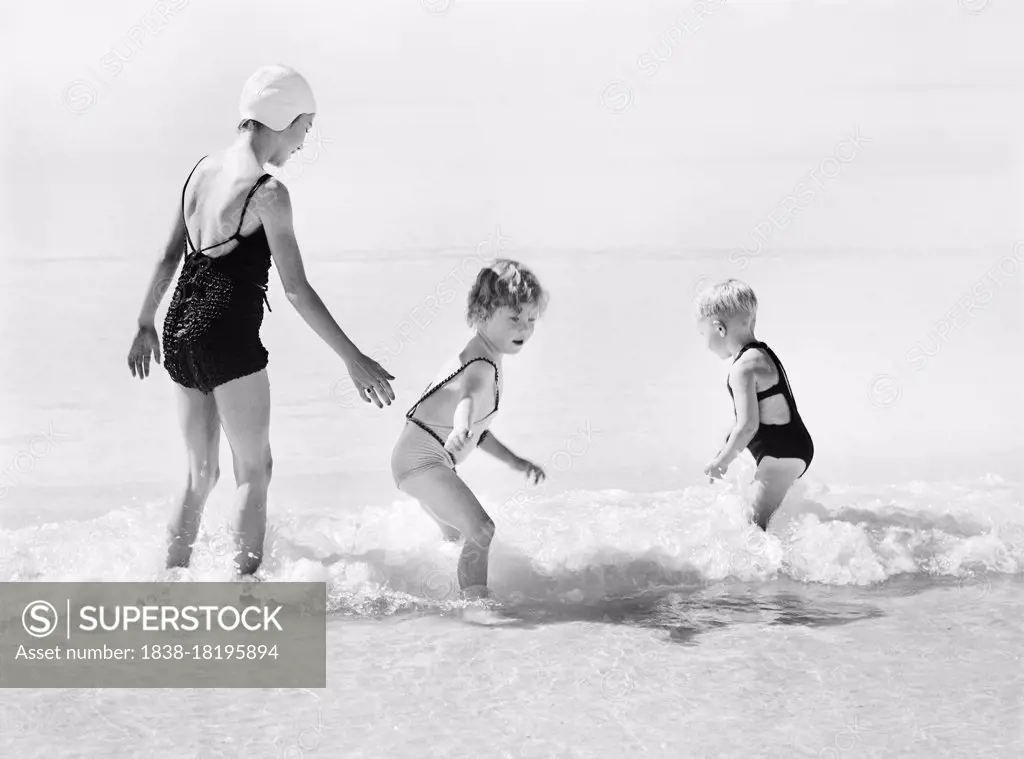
[{"x": 512, "y": 379}]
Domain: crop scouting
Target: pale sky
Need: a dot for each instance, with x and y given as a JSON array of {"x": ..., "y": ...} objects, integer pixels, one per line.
[{"x": 442, "y": 119}]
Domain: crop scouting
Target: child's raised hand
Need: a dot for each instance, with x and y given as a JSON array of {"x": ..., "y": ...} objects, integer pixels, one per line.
[
  {"x": 534, "y": 474},
  {"x": 458, "y": 439}
]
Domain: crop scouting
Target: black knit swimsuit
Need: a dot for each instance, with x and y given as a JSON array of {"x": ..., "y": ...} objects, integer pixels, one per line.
[
  {"x": 782, "y": 441},
  {"x": 212, "y": 329}
]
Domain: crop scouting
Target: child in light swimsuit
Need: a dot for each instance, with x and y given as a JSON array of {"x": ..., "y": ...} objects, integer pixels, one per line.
[
  {"x": 454, "y": 414},
  {"x": 767, "y": 421}
]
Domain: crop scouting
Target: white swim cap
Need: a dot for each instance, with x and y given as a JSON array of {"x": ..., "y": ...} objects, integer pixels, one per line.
[{"x": 275, "y": 95}]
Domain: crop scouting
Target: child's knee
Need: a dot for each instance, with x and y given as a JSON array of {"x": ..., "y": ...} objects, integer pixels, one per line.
[{"x": 482, "y": 533}]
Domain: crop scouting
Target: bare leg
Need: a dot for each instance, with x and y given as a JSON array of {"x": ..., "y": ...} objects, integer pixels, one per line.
[
  {"x": 448, "y": 532},
  {"x": 450, "y": 502},
  {"x": 773, "y": 479},
  {"x": 197, "y": 414},
  {"x": 244, "y": 406}
]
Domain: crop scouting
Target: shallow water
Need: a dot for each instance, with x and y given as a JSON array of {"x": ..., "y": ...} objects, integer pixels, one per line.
[
  {"x": 879, "y": 617},
  {"x": 910, "y": 669},
  {"x": 882, "y": 623}
]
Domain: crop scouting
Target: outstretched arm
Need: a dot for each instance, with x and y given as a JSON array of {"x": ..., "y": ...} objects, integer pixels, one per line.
[
  {"x": 475, "y": 386},
  {"x": 273, "y": 204},
  {"x": 496, "y": 448},
  {"x": 490, "y": 444}
]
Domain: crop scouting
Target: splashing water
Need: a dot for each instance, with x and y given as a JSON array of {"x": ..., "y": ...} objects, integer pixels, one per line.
[{"x": 573, "y": 547}]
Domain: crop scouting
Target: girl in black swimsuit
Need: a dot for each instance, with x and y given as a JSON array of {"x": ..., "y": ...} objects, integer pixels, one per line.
[
  {"x": 213, "y": 351},
  {"x": 768, "y": 423}
]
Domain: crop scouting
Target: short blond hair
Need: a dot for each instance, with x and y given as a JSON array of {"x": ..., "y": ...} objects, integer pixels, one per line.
[{"x": 726, "y": 300}]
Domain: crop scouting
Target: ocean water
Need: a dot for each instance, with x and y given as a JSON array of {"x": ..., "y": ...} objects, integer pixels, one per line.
[{"x": 880, "y": 615}]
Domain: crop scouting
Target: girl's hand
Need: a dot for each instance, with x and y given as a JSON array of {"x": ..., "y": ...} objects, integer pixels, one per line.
[
  {"x": 458, "y": 439},
  {"x": 145, "y": 344},
  {"x": 716, "y": 470},
  {"x": 534, "y": 474},
  {"x": 371, "y": 379}
]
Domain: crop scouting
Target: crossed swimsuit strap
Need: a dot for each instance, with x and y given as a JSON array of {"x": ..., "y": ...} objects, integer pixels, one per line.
[
  {"x": 431, "y": 390},
  {"x": 781, "y": 387},
  {"x": 207, "y": 261},
  {"x": 786, "y": 388}
]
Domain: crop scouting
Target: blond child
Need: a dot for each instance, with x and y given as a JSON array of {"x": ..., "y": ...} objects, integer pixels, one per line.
[{"x": 767, "y": 421}]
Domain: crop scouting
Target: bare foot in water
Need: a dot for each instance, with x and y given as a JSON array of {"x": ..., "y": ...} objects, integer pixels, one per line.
[
  {"x": 481, "y": 614},
  {"x": 475, "y": 593},
  {"x": 175, "y": 574}
]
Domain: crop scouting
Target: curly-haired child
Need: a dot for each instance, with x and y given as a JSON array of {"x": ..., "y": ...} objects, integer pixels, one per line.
[{"x": 454, "y": 413}]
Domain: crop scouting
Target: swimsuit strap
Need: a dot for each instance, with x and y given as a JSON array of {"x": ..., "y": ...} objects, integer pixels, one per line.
[
  {"x": 786, "y": 389},
  {"x": 430, "y": 391},
  {"x": 183, "y": 188},
  {"x": 241, "y": 218},
  {"x": 744, "y": 349},
  {"x": 747, "y": 347},
  {"x": 248, "y": 197},
  {"x": 245, "y": 205},
  {"x": 782, "y": 386}
]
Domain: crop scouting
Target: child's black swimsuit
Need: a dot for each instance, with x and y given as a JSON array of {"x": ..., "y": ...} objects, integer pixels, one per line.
[
  {"x": 782, "y": 441},
  {"x": 212, "y": 329}
]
